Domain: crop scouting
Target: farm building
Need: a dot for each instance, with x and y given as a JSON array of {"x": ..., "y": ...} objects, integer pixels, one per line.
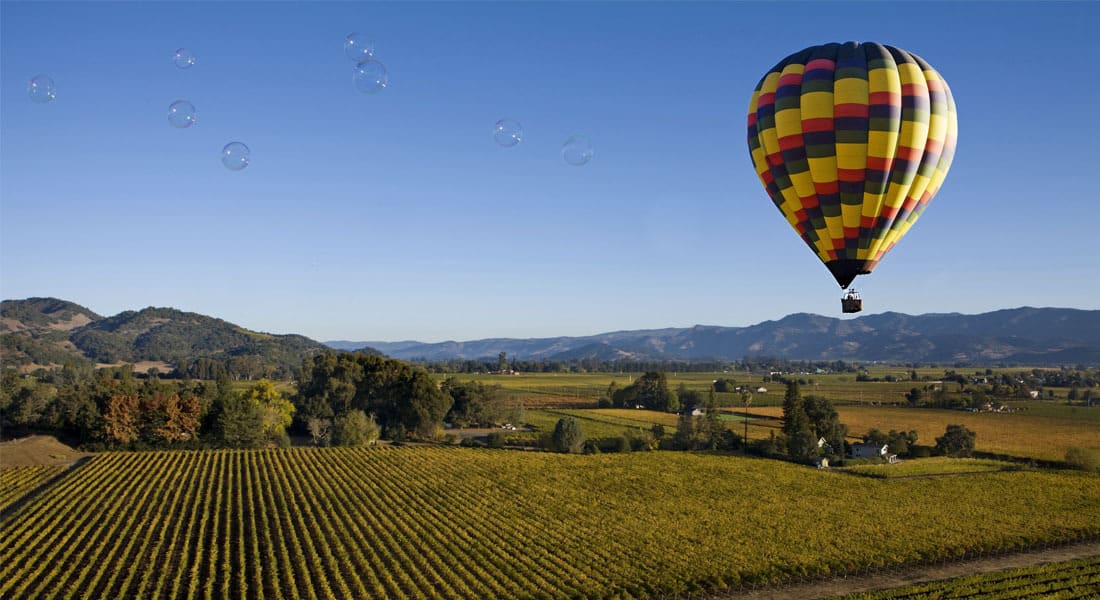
[{"x": 864, "y": 450}]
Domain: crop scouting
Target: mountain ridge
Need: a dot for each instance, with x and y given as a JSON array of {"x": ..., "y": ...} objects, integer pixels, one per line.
[
  {"x": 50, "y": 331},
  {"x": 1019, "y": 335}
]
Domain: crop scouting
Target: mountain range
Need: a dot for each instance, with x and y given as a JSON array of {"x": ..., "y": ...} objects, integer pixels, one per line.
[
  {"x": 1032, "y": 336},
  {"x": 49, "y": 331}
]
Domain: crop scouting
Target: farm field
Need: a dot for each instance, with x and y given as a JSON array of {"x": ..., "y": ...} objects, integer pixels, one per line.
[
  {"x": 580, "y": 390},
  {"x": 1021, "y": 434},
  {"x": 16, "y": 481},
  {"x": 437, "y": 522},
  {"x": 1070, "y": 579},
  {"x": 939, "y": 465}
]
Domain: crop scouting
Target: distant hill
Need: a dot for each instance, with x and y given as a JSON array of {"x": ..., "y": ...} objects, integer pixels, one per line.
[
  {"x": 37, "y": 330},
  {"x": 1033, "y": 336},
  {"x": 48, "y": 331}
]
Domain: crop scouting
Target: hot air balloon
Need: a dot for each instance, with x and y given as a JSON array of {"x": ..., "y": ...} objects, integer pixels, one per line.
[{"x": 852, "y": 141}]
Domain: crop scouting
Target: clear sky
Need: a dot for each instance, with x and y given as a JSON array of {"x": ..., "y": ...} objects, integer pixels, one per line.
[{"x": 396, "y": 216}]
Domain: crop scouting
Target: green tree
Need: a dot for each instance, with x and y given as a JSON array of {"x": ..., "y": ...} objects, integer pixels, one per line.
[
  {"x": 651, "y": 391},
  {"x": 956, "y": 441},
  {"x": 801, "y": 442},
  {"x": 825, "y": 422},
  {"x": 568, "y": 435},
  {"x": 710, "y": 425},
  {"x": 914, "y": 396},
  {"x": 354, "y": 429},
  {"x": 237, "y": 422}
]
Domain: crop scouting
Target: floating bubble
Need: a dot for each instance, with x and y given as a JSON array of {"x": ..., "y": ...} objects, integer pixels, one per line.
[
  {"x": 577, "y": 150},
  {"x": 508, "y": 132},
  {"x": 358, "y": 47},
  {"x": 235, "y": 156},
  {"x": 370, "y": 77},
  {"x": 184, "y": 58},
  {"x": 181, "y": 113},
  {"x": 41, "y": 89}
]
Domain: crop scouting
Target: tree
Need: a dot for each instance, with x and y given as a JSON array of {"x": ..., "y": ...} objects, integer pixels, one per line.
[
  {"x": 801, "y": 442},
  {"x": 568, "y": 435},
  {"x": 237, "y": 422},
  {"x": 685, "y": 431},
  {"x": 651, "y": 391},
  {"x": 121, "y": 421},
  {"x": 502, "y": 362},
  {"x": 427, "y": 405},
  {"x": 914, "y": 396},
  {"x": 320, "y": 430},
  {"x": 710, "y": 426},
  {"x": 354, "y": 429},
  {"x": 956, "y": 441},
  {"x": 276, "y": 412},
  {"x": 825, "y": 422}
]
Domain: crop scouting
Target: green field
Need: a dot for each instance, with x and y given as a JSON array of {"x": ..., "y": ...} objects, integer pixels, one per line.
[
  {"x": 1056, "y": 581},
  {"x": 436, "y": 522},
  {"x": 933, "y": 466},
  {"x": 579, "y": 390}
]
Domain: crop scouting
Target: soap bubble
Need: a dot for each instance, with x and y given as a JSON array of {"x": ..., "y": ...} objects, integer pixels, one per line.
[
  {"x": 370, "y": 77},
  {"x": 577, "y": 150},
  {"x": 181, "y": 113},
  {"x": 358, "y": 47},
  {"x": 508, "y": 132},
  {"x": 184, "y": 58},
  {"x": 41, "y": 89},
  {"x": 235, "y": 156}
]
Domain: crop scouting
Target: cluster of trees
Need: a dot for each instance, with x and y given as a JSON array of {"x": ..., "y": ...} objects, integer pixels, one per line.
[
  {"x": 113, "y": 408},
  {"x": 476, "y": 404},
  {"x": 649, "y": 391},
  {"x": 403, "y": 399},
  {"x": 902, "y": 443},
  {"x": 807, "y": 420},
  {"x": 704, "y": 431}
]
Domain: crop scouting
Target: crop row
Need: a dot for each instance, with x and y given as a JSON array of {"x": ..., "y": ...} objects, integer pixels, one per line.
[
  {"x": 1055, "y": 581},
  {"x": 16, "y": 481},
  {"x": 439, "y": 523}
]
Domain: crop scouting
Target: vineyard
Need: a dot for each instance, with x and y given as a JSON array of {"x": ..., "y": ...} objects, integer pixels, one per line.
[
  {"x": 436, "y": 522},
  {"x": 1056, "y": 581},
  {"x": 16, "y": 481}
]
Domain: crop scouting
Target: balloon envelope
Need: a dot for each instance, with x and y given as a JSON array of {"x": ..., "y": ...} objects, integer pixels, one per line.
[{"x": 851, "y": 141}]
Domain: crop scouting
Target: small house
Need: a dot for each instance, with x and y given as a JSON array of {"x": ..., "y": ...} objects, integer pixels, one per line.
[
  {"x": 822, "y": 462},
  {"x": 864, "y": 450}
]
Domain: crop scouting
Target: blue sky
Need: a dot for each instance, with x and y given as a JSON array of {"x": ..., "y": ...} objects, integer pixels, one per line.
[{"x": 395, "y": 215}]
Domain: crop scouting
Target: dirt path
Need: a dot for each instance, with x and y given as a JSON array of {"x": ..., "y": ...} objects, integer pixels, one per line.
[{"x": 869, "y": 583}]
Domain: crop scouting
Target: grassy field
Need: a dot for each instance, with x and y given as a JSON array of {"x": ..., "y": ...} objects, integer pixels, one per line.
[
  {"x": 432, "y": 522},
  {"x": 1023, "y": 434},
  {"x": 1063, "y": 580},
  {"x": 579, "y": 390},
  {"x": 933, "y": 466}
]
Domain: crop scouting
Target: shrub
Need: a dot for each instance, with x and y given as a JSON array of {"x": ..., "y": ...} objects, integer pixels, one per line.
[
  {"x": 568, "y": 436},
  {"x": 1084, "y": 459},
  {"x": 495, "y": 440}
]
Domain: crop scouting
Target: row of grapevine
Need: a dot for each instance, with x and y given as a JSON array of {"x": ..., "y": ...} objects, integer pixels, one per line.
[
  {"x": 451, "y": 523},
  {"x": 1056, "y": 581},
  {"x": 17, "y": 481}
]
